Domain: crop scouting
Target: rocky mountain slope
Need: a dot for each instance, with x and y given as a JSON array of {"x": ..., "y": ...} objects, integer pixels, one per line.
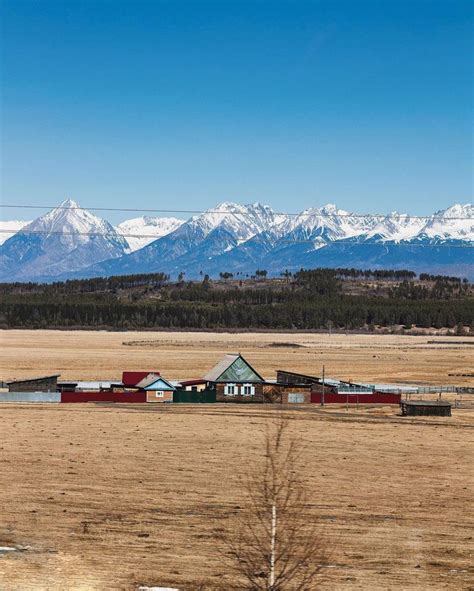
[
  {"x": 241, "y": 238},
  {"x": 64, "y": 240}
]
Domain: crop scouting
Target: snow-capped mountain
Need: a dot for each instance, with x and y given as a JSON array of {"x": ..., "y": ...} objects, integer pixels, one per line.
[
  {"x": 10, "y": 228},
  {"x": 454, "y": 223},
  {"x": 197, "y": 241},
  {"x": 242, "y": 238},
  {"x": 63, "y": 240},
  {"x": 138, "y": 232}
]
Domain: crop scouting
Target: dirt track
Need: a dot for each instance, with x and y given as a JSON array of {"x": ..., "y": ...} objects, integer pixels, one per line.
[{"x": 112, "y": 497}]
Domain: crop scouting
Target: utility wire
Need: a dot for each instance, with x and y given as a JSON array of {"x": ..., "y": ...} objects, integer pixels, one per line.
[
  {"x": 469, "y": 244},
  {"x": 241, "y": 213}
]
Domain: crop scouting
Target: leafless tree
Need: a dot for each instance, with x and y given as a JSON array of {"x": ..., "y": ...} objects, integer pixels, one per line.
[{"x": 273, "y": 543}]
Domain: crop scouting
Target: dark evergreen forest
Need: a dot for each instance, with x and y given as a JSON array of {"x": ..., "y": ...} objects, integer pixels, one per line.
[{"x": 309, "y": 299}]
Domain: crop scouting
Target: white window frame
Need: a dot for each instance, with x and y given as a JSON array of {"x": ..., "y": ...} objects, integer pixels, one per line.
[
  {"x": 247, "y": 390},
  {"x": 228, "y": 388}
]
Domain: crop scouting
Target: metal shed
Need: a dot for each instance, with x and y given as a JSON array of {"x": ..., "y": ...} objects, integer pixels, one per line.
[
  {"x": 36, "y": 384},
  {"x": 439, "y": 408}
]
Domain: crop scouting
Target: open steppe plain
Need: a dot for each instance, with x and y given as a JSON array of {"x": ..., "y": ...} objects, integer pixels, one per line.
[
  {"x": 110, "y": 497},
  {"x": 114, "y": 496},
  {"x": 101, "y": 355}
]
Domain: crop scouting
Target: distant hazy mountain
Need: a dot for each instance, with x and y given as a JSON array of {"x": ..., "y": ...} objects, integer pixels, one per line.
[
  {"x": 63, "y": 240},
  {"x": 10, "y": 228},
  {"x": 242, "y": 238},
  {"x": 139, "y": 232}
]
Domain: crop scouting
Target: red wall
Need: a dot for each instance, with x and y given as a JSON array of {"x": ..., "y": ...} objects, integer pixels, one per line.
[
  {"x": 131, "y": 378},
  {"x": 375, "y": 398},
  {"x": 103, "y": 396}
]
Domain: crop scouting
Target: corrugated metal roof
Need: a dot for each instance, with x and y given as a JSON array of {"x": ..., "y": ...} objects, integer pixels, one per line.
[
  {"x": 233, "y": 368},
  {"x": 93, "y": 385},
  {"x": 221, "y": 367},
  {"x": 35, "y": 379},
  {"x": 426, "y": 403},
  {"x": 146, "y": 381}
]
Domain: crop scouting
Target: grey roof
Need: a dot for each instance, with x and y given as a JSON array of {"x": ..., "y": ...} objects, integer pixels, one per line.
[
  {"x": 426, "y": 403},
  {"x": 220, "y": 368},
  {"x": 149, "y": 379},
  {"x": 93, "y": 385},
  {"x": 35, "y": 379},
  {"x": 224, "y": 364}
]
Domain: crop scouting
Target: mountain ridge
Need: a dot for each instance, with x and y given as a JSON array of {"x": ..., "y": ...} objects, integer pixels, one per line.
[{"x": 240, "y": 238}]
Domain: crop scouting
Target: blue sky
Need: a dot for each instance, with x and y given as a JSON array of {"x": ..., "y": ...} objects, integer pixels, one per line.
[{"x": 185, "y": 104}]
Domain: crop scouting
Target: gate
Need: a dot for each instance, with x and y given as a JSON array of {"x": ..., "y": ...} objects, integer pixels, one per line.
[
  {"x": 295, "y": 398},
  {"x": 193, "y": 397}
]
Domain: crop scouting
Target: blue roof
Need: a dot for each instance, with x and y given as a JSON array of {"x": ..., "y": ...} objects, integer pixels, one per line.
[{"x": 159, "y": 384}]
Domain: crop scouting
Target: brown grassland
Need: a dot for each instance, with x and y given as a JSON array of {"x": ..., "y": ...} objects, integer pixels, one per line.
[
  {"x": 95, "y": 355},
  {"x": 110, "y": 497}
]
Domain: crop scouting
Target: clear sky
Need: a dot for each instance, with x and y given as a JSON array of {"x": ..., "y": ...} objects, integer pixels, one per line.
[{"x": 185, "y": 104}]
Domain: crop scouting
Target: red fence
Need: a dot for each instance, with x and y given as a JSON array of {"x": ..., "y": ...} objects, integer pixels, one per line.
[
  {"x": 103, "y": 396},
  {"x": 346, "y": 398}
]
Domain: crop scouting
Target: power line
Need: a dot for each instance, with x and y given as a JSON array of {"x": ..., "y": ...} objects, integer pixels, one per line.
[
  {"x": 241, "y": 213},
  {"x": 469, "y": 244}
]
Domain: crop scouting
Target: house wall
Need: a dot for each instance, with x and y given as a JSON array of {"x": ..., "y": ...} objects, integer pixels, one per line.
[
  {"x": 159, "y": 396},
  {"x": 257, "y": 397},
  {"x": 42, "y": 385},
  {"x": 278, "y": 393},
  {"x": 318, "y": 388},
  {"x": 306, "y": 392},
  {"x": 195, "y": 388}
]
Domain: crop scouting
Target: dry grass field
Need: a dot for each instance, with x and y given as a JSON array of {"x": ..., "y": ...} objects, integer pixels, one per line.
[
  {"x": 112, "y": 497},
  {"x": 103, "y": 355}
]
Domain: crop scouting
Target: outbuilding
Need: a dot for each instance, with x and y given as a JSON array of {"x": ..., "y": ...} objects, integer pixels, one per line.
[
  {"x": 37, "y": 384},
  {"x": 437, "y": 408}
]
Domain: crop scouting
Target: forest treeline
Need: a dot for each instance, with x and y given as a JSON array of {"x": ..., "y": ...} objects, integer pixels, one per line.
[{"x": 307, "y": 299}]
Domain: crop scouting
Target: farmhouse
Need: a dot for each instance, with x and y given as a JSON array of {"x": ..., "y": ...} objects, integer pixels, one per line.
[
  {"x": 157, "y": 388},
  {"x": 38, "y": 384},
  {"x": 235, "y": 380}
]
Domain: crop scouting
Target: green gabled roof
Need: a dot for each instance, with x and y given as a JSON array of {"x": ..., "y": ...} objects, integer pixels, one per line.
[{"x": 233, "y": 368}]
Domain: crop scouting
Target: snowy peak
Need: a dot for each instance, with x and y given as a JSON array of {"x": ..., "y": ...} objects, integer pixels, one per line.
[
  {"x": 329, "y": 223},
  {"x": 241, "y": 221},
  {"x": 396, "y": 227},
  {"x": 138, "y": 232},
  {"x": 64, "y": 239},
  {"x": 70, "y": 217},
  {"x": 454, "y": 223},
  {"x": 10, "y": 228},
  {"x": 231, "y": 236}
]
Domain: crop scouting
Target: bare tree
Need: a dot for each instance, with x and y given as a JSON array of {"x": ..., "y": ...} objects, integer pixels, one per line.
[{"x": 273, "y": 544}]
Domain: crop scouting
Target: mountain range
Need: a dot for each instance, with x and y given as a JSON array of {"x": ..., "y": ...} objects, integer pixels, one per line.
[{"x": 71, "y": 242}]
